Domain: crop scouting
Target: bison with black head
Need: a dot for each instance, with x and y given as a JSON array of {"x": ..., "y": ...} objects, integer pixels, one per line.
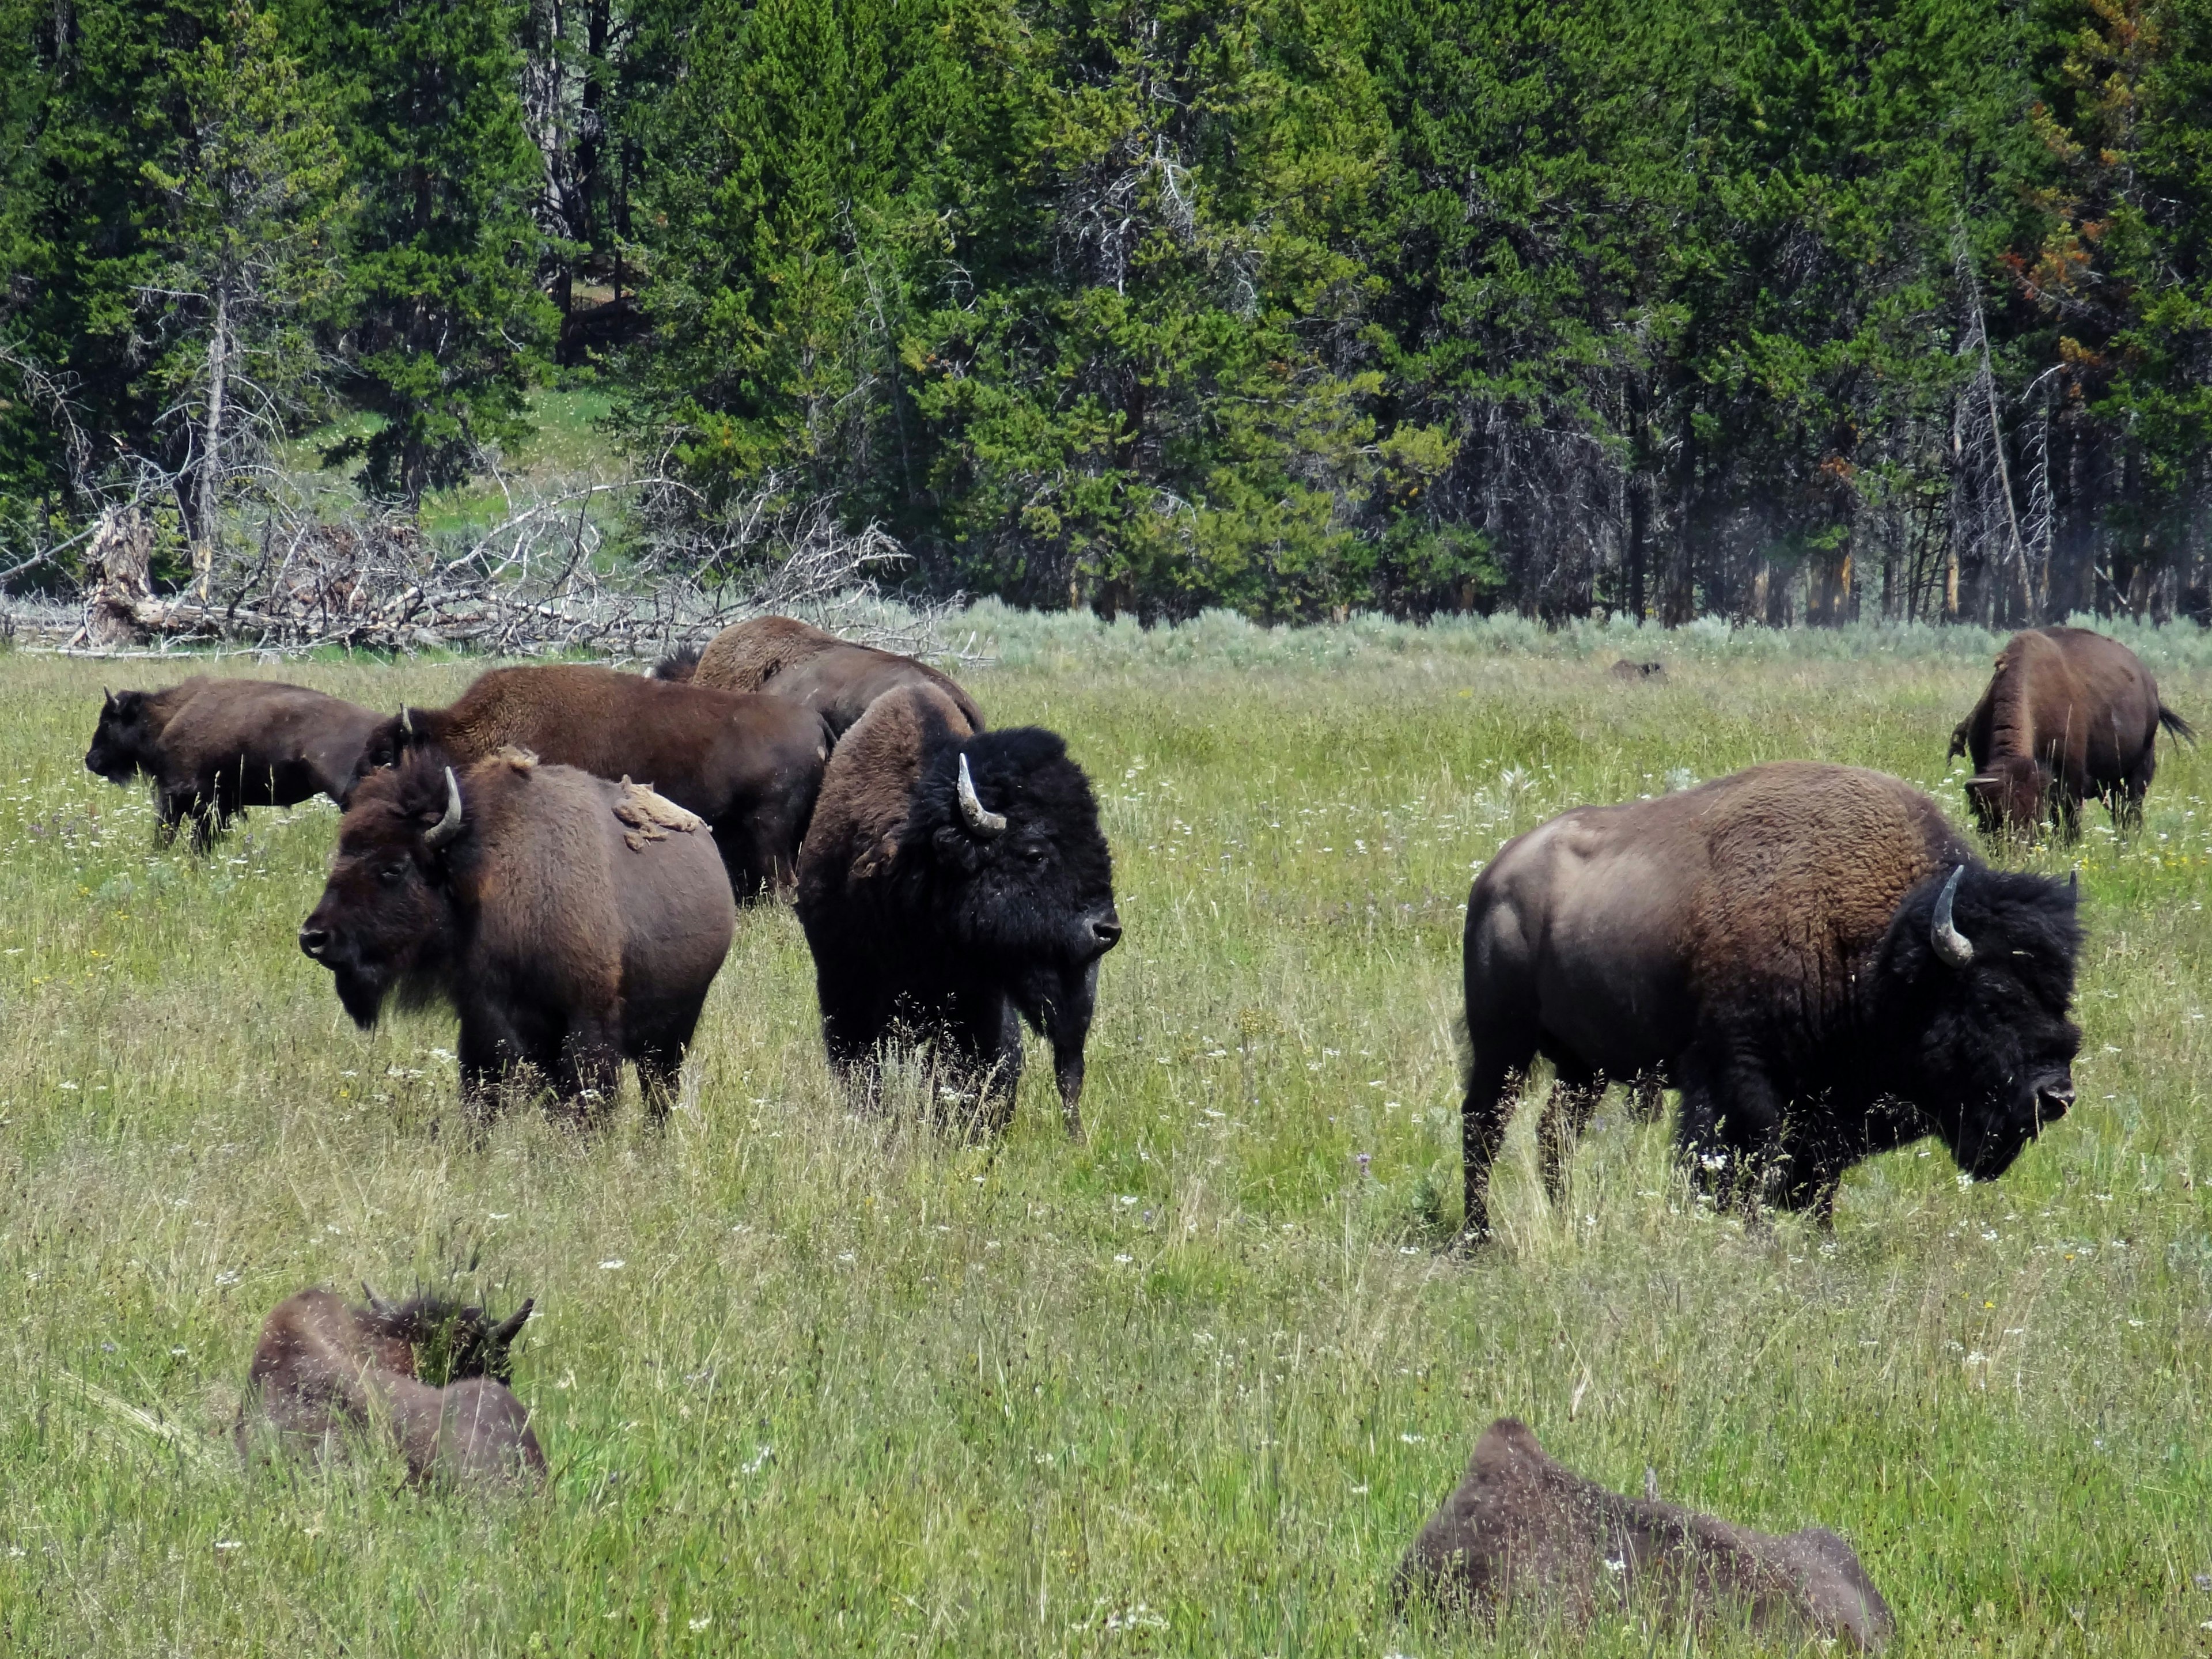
[
  {"x": 572, "y": 923},
  {"x": 1809, "y": 953},
  {"x": 953, "y": 884}
]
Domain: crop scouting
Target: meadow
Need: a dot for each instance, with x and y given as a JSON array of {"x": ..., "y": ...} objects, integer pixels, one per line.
[{"x": 813, "y": 1383}]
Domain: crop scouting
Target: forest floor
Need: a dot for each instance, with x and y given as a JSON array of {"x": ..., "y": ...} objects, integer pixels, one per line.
[{"x": 811, "y": 1383}]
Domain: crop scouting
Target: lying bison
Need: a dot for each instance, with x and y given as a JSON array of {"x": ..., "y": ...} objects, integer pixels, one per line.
[
  {"x": 1522, "y": 1529},
  {"x": 748, "y": 766},
  {"x": 789, "y": 659},
  {"x": 215, "y": 747},
  {"x": 2068, "y": 714},
  {"x": 572, "y": 922},
  {"x": 1808, "y": 953},
  {"x": 953, "y": 884},
  {"x": 435, "y": 1372}
]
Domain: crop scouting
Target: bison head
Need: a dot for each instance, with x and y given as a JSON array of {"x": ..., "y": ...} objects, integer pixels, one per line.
[
  {"x": 448, "y": 1342},
  {"x": 386, "y": 916},
  {"x": 1005, "y": 850},
  {"x": 2008, "y": 794},
  {"x": 124, "y": 744},
  {"x": 1978, "y": 971},
  {"x": 391, "y": 743}
]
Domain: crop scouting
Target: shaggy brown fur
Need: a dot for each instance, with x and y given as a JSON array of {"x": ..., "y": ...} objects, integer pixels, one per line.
[
  {"x": 567, "y": 938},
  {"x": 432, "y": 1374},
  {"x": 789, "y": 659},
  {"x": 748, "y": 765},
  {"x": 2068, "y": 714},
  {"x": 1625, "y": 670},
  {"x": 214, "y": 747},
  {"x": 1764, "y": 943},
  {"x": 1521, "y": 1527}
]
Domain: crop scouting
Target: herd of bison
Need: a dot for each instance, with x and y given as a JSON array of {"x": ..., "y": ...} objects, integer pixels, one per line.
[{"x": 1809, "y": 954}]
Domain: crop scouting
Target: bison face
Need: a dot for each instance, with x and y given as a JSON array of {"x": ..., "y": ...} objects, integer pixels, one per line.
[
  {"x": 446, "y": 1342},
  {"x": 1980, "y": 969},
  {"x": 386, "y": 915},
  {"x": 2008, "y": 794},
  {"x": 122, "y": 744},
  {"x": 387, "y": 745}
]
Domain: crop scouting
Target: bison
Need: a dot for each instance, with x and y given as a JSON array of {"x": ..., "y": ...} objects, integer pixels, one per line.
[
  {"x": 953, "y": 884},
  {"x": 2068, "y": 714},
  {"x": 1522, "y": 1529},
  {"x": 214, "y": 747},
  {"x": 572, "y": 922},
  {"x": 1809, "y": 953},
  {"x": 749, "y": 766},
  {"x": 437, "y": 1373},
  {"x": 789, "y": 659}
]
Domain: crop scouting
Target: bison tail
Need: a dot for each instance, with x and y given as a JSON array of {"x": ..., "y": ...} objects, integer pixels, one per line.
[
  {"x": 678, "y": 666},
  {"x": 2174, "y": 723}
]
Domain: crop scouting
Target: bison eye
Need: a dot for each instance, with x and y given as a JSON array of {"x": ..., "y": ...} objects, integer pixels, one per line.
[
  {"x": 393, "y": 873},
  {"x": 1039, "y": 855}
]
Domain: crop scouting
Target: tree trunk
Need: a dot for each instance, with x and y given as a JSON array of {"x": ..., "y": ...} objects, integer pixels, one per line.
[
  {"x": 209, "y": 485},
  {"x": 116, "y": 577}
]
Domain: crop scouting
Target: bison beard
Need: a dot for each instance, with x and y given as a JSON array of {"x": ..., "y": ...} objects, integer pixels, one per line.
[
  {"x": 1807, "y": 953},
  {"x": 953, "y": 885}
]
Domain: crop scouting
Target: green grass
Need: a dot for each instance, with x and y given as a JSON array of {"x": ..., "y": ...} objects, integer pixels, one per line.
[{"x": 1187, "y": 1388}]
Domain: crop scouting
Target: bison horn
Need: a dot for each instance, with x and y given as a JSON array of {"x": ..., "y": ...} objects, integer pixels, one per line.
[
  {"x": 406, "y": 721},
  {"x": 512, "y": 1328},
  {"x": 376, "y": 1303},
  {"x": 450, "y": 826},
  {"x": 971, "y": 807},
  {"x": 2073, "y": 883},
  {"x": 1953, "y": 946}
]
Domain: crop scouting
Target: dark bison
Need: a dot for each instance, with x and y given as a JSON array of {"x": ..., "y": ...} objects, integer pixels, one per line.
[
  {"x": 2069, "y": 715},
  {"x": 572, "y": 922},
  {"x": 1809, "y": 953},
  {"x": 1520, "y": 1528},
  {"x": 954, "y": 884},
  {"x": 435, "y": 1372},
  {"x": 789, "y": 659},
  {"x": 214, "y": 747},
  {"x": 748, "y": 765}
]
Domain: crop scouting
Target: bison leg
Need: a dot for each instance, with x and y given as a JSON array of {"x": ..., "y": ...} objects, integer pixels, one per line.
[
  {"x": 1493, "y": 1081},
  {"x": 1730, "y": 1132},
  {"x": 1567, "y": 1111},
  {"x": 588, "y": 1073}
]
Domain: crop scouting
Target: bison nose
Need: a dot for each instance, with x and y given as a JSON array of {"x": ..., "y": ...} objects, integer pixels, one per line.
[
  {"x": 1107, "y": 930},
  {"x": 2053, "y": 1099},
  {"x": 315, "y": 941}
]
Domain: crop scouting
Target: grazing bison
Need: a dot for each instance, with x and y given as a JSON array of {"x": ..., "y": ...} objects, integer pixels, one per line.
[
  {"x": 789, "y": 659},
  {"x": 1809, "y": 953},
  {"x": 572, "y": 922},
  {"x": 214, "y": 747},
  {"x": 748, "y": 765},
  {"x": 437, "y": 1373},
  {"x": 2068, "y": 714},
  {"x": 954, "y": 884},
  {"x": 1522, "y": 1529}
]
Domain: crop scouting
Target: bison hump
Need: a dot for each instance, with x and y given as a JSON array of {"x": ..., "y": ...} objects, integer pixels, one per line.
[{"x": 650, "y": 816}]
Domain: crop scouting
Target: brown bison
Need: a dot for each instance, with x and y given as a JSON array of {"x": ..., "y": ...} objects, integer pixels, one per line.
[
  {"x": 953, "y": 884},
  {"x": 1522, "y": 1529},
  {"x": 215, "y": 747},
  {"x": 434, "y": 1373},
  {"x": 789, "y": 659},
  {"x": 2068, "y": 714},
  {"x": 572, "y": 922},
  {"x": 1809, "y": 953},
  {"x": 748, "y": 766}
]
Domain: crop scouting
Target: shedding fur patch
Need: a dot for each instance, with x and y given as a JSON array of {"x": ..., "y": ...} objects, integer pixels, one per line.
[
  {"x": 651, "y": 817},
  {"x": 521, "y": 760}
]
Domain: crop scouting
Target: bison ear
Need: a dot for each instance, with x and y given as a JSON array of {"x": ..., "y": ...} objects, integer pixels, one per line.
[{"x": 962, "y": 851}]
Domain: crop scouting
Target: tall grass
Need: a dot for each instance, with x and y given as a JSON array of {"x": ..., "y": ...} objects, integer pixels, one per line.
[{"x": 811, "y": 1383}]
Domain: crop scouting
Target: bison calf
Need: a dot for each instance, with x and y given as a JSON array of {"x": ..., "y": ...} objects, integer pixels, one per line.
[
  {"x": 214, "y": 747},
  {"x": 434, "y": 1373},
  {"x": 1522, "y": 1529},
  {"x": 789, "y": 659},
  {"x": 572, "y": 922},
  {"x": 1808, "y": 953},
  {"x": 748, "y": 766},
  {"x": 2068, "y": 714},
  {"x": 953, "y": 884}
]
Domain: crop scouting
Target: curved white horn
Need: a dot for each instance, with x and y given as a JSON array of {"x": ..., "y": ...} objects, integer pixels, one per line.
[
  {"x": 406, "y": 721},
  {"x": 971, "y": 806},
  {"x": 1948, "y": 942},
  {"x": 450, "y": 826},
  {"x": 376, "y": 1303}
]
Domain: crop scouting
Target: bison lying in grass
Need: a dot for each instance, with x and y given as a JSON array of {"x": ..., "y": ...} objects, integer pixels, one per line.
[
  {"x": 1809, "y": 953},
  {"x": 953, "y": 884},
  {"x": 215, "y": 747},
  {"x": 434, "y": 1373},
  {"x": 2068, "y": 714},
  {"x": 572, "y": 922},
  {"x": 1520, "y": 1528},
  {"x": 748, "y": 766},
  {"x": 789, "y": 659}
]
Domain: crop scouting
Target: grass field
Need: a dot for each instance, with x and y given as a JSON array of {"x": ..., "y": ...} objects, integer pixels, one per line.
[{"x": 810, "y": 1383}]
